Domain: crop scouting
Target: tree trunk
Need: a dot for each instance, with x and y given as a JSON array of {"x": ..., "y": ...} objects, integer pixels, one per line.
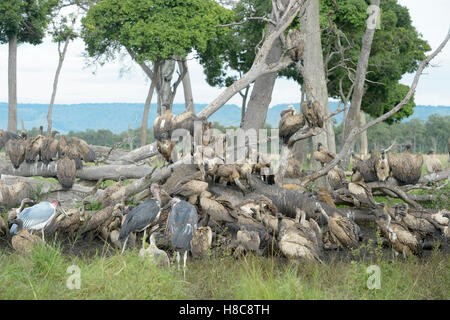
[
  {"x": 12, "y": 84},
  {"x": 353, "y": 117},
  {"x": 187, "y": 88},
  {"x": 255, "y": 116},
  {"x": 108, "y": 172},
  {"x": 244, "y": 103},
  {"x": 164, "y": 77},
  {"x": 314, "y": 74},
  {"x": 62, "y": 55},
  {"x": 363, "y": 136},
  {"x": 145, "y": 115}
]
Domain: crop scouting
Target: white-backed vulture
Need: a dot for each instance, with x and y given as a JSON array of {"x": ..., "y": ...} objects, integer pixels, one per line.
[
  {"x": 105, "y": 199},
  {"x": 167, "y": 149},
  {"x": 201, "y": 242},
  {"x": 152, "y": 252},
  {"x": 24, "y": 242},
  {"x": 5, "y": 136},
  {"x": 420, "y": 226},
  {"x": 190, "y": 188},
  {"x": 400, "y": 239},
  {"x": 66, "y": 171},
  {"x": 85, "y": 152},
  {"x": 360, "y": 193},
  {"x": 49, "y": 150},
  {"x": 366, "y": 168},
  {"x": 296, "y": 242},
  {"x": 34, "y": 146},
  {"x": 291, "y": 121},
  {"x": 336, "y": 177},
  {"x": 312, "y": 111},
  {"x": 406, "y": 168},
  {"x": 382, "y": 167},
  {"x": 218, "y": 209},
  {"x": 323, "y": 155},
  {"x": 69, "y": 149},
  {"x": 295, "y": 44},
  {"x": 432, "y": 163},
  {"x": 247, "y": 241},
  {"x": 16, "y": 150}
]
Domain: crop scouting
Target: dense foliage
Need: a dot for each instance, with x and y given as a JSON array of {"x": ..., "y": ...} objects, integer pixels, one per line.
[
  {"x": 152, "y": 29},
  {"x": 27, "y": 19}
]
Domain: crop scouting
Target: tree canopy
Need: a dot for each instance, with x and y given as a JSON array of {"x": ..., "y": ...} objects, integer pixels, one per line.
[
  {"x": 397, "y": 49},
  {"x": 152, "y": 29},
  {"x": 27, "y": 19}
]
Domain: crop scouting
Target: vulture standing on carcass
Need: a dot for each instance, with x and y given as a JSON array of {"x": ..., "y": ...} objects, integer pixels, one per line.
[
  {"x": 190, "y": 190},
  {"x": 432, "y": 163},
  {"x": 360, "y": 193},
  {"x": 400, "y": 239},
  {"x": 219, "y": 209},
  {"x": 141, "y": 217},
  {"x": 66, "y": 171},
  {"x": 421, "y": 226},
  {"x": 343, "y": 231},
  {"x": 297, "y": 242},
  {"x": 323, "y": 155},
  {"x": 247, "y": 241},
  {"x": 152, "y": 252},
  {"x": 182, "y": 224},
  {"x": 16, "y": 150},
  {"x": 313, "y": 113},
  {"x": 382, "y": 167},
  {"x": 201, "y": 242},
  {"x": 406, "y": 168},
  {"x": 230, "y": 173},
  {"x": 22, "y": 241},
  {"x": 49, "y": 150},
  {"x": 291, "y": 121}
]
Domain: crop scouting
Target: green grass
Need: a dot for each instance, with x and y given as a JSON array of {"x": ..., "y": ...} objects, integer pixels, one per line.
[{"x": 43, "y": 275}]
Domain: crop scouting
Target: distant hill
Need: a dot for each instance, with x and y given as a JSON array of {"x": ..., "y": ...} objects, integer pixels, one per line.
[{"x": 117, "y": 116}]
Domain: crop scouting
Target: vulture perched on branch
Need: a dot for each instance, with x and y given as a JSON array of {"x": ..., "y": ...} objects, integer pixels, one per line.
[
  {"x": 16, "y": 150},
  {"x": 34, "y": 146},
  {"x": 323, "y": 155},
  {"x": 66, "y": 171},
  {"x": 313, "y": 113},
  {"x": 291, "y": 121},
  {"x": 406, "y": 168},
  {"x": 49, "y": 149},
  {"x": 366, "y": 168},
  {"x": 382, "y": 167}
]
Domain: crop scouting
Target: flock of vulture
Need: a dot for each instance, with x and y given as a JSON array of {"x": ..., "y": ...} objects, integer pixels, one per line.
[
  {"x": 212, "y": 205},
  {"x": 70, "y": 152}
]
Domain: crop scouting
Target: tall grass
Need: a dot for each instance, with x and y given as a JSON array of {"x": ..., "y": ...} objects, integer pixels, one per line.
[{"x": 43, "y": 275}]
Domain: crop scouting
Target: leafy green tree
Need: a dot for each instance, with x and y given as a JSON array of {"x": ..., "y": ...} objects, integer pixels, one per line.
[{"x": 21, "y": 21}]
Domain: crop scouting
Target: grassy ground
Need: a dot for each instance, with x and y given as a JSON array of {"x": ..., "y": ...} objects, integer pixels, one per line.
[{"x": 43, "y": 275}]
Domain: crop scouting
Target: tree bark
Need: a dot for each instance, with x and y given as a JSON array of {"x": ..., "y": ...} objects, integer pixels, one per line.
[
  {"x": 164, "y": 77},
  {"x": 187, "y": 88},
  {"x": 145, "y": 115},
  {"x": 353, "y": 116},
  {"x": 314, "y": 75},
  {"x": 12, "y": 84},
  {"x": 363, "y": 136},
  {"x": 255, "y": 116},
  {"x": 107, "y": 172},
  {"x": 62, "y": 55}
]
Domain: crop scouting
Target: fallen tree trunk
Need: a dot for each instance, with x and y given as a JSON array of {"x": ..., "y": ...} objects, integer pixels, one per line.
[
  {"x": 107, "y": 172},
  {"x": 154, "y": 176}
]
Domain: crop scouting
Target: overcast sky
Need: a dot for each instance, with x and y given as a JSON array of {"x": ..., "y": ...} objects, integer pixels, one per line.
[{"x": 123, "y": 81}]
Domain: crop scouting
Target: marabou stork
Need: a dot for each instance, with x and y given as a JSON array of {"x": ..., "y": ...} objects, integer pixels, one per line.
[
  {"x": 37, "y": 217},
  {"x": 142, "y": 216},
  {"x": 182, "y": 224}
]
